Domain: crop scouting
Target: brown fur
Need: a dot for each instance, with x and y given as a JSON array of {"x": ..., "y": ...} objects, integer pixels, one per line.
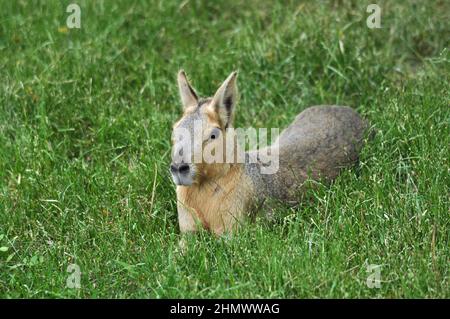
[{"x": 217, "y": 205}]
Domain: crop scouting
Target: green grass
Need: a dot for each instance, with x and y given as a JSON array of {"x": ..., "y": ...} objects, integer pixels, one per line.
[{"x": 85, "y": 122}]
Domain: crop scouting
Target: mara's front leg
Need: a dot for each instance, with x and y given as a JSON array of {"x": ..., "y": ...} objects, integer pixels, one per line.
[
  {"x": 186, "y": 220},
  {"x": 188, "y": 225}
]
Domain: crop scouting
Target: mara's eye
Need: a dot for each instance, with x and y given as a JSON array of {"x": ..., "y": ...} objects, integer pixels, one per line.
[{"x": 215, "y": 133}]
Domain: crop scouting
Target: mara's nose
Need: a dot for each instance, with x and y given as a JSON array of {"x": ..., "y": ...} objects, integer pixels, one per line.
[{"x": 180, "y": 168}]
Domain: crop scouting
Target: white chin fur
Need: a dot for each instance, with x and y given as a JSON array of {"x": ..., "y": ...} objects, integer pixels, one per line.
[{"x": 182, "y": 180}]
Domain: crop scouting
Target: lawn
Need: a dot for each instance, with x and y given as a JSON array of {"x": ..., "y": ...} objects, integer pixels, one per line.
[{"x": 85, "y": 123}]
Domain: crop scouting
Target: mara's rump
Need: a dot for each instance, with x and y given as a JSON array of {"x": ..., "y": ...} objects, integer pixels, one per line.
[{"x": 318, "y": 144}]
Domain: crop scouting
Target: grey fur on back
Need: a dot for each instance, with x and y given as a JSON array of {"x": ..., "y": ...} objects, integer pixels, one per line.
[{"x": 318, "y": 144}]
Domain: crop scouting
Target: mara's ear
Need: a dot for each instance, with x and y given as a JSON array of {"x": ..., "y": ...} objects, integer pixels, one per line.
[
  {"x": 225, "y": 99},
  {"x": 187, "y": 93}
]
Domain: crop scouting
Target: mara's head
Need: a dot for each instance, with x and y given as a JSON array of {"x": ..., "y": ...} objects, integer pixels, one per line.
[{"x": 199, "y": 136}]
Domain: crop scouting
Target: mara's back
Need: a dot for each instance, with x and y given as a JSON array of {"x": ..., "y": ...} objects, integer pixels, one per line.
[{"x": 318, "y": 144}]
